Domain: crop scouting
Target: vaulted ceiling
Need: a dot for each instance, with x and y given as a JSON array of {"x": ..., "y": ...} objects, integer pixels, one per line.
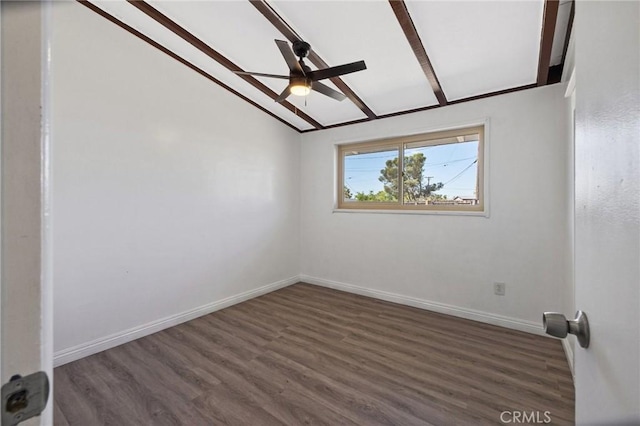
[{"x": 419, "y": 54}]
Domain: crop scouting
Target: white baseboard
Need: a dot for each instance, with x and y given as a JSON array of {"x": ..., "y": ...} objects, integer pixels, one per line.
[
  {"x": 568, "y": 351},
  {"x": 485, "y": 317},
  {"x": 98, "y": 345}
]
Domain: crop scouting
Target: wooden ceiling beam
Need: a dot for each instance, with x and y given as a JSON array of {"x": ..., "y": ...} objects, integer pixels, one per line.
[
  {"x": 404, "y": 19},
  {"x": 289, "y": 33},
  {"x": 426, "y": 108},
  {"x": 217, "y": 56},
  {"x": 163, "y": 49},
  {"x": 549, "y": 18}
]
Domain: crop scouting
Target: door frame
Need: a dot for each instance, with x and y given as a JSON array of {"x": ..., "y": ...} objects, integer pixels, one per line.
[{"x": 25, "y": 182}]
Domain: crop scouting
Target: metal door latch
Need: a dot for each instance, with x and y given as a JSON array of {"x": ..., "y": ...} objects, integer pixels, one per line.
[{"x": 24, "y": 397}]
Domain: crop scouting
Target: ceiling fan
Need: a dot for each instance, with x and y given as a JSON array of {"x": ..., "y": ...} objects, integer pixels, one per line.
[{"x": 302, "y": 80}]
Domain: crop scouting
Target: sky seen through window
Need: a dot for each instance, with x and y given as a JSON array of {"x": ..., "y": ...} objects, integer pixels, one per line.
[{"x": 455, "y": 165}]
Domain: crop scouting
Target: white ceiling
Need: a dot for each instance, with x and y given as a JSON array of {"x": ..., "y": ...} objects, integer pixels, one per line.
[
  {"x": 480, "y": 47},
  {"x": 475, "y": 47}
]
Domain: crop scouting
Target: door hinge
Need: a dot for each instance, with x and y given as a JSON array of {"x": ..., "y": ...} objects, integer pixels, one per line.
[{"x": 24, "y": 397}]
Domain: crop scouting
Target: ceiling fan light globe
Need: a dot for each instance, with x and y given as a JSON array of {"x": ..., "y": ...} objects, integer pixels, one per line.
[{"x": 300, "y": 89}]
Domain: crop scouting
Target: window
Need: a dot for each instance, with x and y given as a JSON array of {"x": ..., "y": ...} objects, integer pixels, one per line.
[{"x": 441, "y": 171}]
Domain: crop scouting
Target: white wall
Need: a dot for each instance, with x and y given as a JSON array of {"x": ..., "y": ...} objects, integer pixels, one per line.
[
  {"x": 169, "y": 192},
  {"x": 454, "y": 260}
]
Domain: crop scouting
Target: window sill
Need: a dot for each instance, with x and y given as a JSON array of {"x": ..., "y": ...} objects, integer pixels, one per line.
[{"x": 414, "y": 212}]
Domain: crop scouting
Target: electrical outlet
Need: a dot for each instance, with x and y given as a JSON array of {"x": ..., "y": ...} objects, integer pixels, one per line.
[{"x": 499, "y": 289}]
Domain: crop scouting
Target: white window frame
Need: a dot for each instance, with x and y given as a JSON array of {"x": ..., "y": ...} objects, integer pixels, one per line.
[{"x": 481, "y": 209}]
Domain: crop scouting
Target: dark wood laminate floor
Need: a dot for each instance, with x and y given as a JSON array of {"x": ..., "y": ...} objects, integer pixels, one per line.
[{"x": 311, "y": 355}]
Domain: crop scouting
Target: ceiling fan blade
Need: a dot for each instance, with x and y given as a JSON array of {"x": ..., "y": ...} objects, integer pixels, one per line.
[
  {"x": 328, "y": 91},
  {"x": 285, "y": 93},
  {"x": 289, "y": 57},
  {"x": 336, "y": 71},
  {"x": 260, "y": 74}
]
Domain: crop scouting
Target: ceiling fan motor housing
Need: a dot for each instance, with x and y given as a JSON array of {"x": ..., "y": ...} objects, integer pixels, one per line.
[
  {"x": 300, "y": 80},
  {"x": 301, "y": 48}
]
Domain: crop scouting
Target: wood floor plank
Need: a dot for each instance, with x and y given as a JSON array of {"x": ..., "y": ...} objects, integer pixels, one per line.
[
  {"x": 71, "y": 399},
  {"x": 234, "y": 407},
  {"x": 150, "y": 362},
  {"x": 481, "y": 375},
  {"x": 311, "y": 355},
  {"x": 410, "y": 375},
  {"x": 90, "y": 397},
  {"x": 357, "y": 405},
  {"x": 155, "y": 346},
  {"x": 135, "y": 395},
  {"x": 60, "y": 419},
  {"x": 295, "y": 404},
  {"x": 328, "y": 355},
  {"x": 427, "y": 404},
  {"x": 459, "y": 359}
]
